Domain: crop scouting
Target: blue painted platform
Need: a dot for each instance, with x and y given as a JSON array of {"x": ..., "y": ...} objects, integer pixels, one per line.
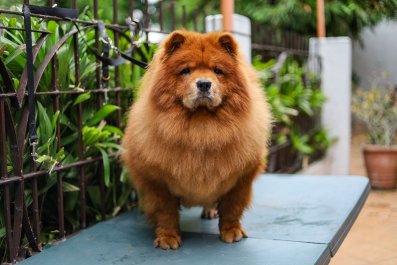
[{"x": 294, "y": 219}]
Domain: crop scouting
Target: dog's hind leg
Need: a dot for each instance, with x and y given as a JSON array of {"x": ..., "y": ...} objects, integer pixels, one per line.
[{"x": 209, "y": 212}]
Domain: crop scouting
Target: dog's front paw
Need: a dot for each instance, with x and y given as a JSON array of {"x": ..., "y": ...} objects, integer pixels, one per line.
[
  {"x": 233, "y": 234},
  {"x": 168, "y": 241}
]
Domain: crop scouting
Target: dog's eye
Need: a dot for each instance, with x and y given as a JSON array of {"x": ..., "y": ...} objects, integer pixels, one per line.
[
  {"x": 218, "y": 71},
  {"x": 185, "y": 71}
]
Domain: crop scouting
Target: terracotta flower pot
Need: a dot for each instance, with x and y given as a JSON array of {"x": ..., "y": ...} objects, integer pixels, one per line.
[{"x": 381, "y": 164}]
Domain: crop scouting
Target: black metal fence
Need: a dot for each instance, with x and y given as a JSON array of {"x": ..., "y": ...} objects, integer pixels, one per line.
[
  {"x": 19, "y": 173},
  {"x": 270, "y": 43}
]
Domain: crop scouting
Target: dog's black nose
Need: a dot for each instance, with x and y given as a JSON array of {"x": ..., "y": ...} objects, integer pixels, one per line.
[{"x": 203, "y": 85}]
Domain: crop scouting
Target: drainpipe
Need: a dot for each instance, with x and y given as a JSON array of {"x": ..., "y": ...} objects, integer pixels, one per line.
[
  {"x": 227, "y": 7},
  {"x": 320, "y": 19}
]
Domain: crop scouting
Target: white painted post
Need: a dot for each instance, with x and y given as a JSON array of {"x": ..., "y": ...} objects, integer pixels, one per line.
[
  {"x": 241, "y": 30},
  {"x": 336, "y": 74}
]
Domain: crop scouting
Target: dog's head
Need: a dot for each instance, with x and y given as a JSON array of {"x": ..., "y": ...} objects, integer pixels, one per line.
[{"x": 199, "y": 71}]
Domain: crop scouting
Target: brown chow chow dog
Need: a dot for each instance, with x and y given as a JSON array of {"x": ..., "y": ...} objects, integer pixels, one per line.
[{"x": 197, "y": 135}]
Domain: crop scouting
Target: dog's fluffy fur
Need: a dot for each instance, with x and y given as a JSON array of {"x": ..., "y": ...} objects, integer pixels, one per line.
[{"x": 188, "y": 147}]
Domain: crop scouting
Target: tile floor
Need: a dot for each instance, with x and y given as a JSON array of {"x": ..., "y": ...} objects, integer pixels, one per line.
[{"x": 373, "y": 238}]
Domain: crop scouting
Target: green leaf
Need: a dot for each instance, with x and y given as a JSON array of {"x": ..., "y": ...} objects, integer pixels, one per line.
[
  {"x": 51, "y": 180},
  {"x": 94, "y": 194},
  {"x": 121, "y": 201},
  {"x": 102, "y": 114},
  {"x": 67, "y": 187},
  {"x": 110, "y": 145},
  {"x": 2, "y": 232},
  {"x": 44, "y": 123},
  {"x": 69, "y": 139},
  {"x": 71, "y": 199},
  {"x": 43, "y": 158},
  {"x": 52, "y": 26},
  {"x": 94, "y": 135},
  {"x": 124, "y": 175},
  {"x": 305, "y": 106},
  {"x": 60, "y": 155},
  {"x": 14, "y": 54},
  {"x": 106, "y": 166},
  {"x": 281, "y": 139},
  {"x": 299, "y": 142},
  {"x": 63, "y": 119},
  {"x": 113, "y": 129},
  {"x": 16, "y": 82},
  {"x": 54, "y": 120},
  {"x": 81, "y": 98}
]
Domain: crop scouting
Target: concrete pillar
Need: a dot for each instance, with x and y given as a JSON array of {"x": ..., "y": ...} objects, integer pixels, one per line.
[
  {"x": 336, "y": 74},
  {"x": 241, "y": 30}
]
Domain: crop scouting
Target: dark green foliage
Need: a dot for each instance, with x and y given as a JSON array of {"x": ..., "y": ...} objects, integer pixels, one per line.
[
  {"x": 343, "y": 17},
  {"x": 294, "y": 95},
  {"x": 100, "y": 135}
]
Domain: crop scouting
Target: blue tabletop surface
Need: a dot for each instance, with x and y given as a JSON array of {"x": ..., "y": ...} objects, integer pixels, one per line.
[{"x": 294, "y": 219}]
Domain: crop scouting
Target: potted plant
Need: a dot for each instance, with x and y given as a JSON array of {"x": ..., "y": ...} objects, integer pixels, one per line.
[{"x": 377, "y": 108}]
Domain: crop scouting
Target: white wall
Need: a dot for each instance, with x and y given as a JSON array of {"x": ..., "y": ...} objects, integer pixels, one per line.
[
  {"x": 336, "y": 64},
  {"x": 241, "y": 30},
  {"x": 378, "y": 54}
]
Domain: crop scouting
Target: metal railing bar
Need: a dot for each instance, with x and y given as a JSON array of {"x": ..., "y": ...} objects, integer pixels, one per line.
[
  {"x": 31, "y": 175},
  {"x": 278, "y": 49},
  {"x": 119, "y": 112},
  {"x": 71, "y": 92},
  {"x": 100, "y": 98},
  {"x": 56, "y": 106},
  {"x": 80, "y": 151},
  {"x": 24, "y": 77},
  {"x": 4, "y": 177},
  {"x": 83, "y": 22}
]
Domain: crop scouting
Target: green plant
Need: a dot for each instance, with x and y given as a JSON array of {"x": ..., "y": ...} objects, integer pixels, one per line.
[
  {"x": 294, "y": 95},
  {"x": 321, "y": 140},
  {"x": 100, "y": 135},
  {"x": 377, "y": 108},
  {"x": 290, "y": 90}
]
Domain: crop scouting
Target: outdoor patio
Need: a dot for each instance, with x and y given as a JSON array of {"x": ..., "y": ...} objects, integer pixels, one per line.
[
  {"x": 70, "y": 70},
  {"x": 373, "y": 237}
]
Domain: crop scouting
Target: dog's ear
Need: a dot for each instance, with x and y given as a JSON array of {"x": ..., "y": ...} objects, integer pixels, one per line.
[
  {"x": 228, "y": 42},
  {"x": 174, "y": 41}
]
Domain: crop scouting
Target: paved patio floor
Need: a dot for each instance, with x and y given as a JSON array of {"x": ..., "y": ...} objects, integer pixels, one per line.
[{"x": 373, "y": 238}]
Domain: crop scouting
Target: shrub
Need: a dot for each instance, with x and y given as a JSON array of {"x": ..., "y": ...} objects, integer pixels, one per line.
[
  {"x": 377, "y": 108},
  {"x": 296, "y": 100}
]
